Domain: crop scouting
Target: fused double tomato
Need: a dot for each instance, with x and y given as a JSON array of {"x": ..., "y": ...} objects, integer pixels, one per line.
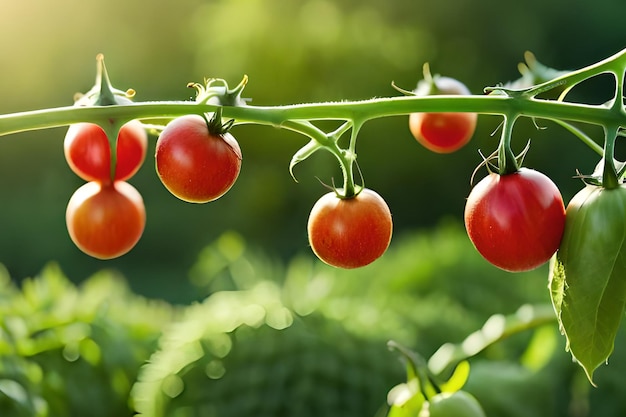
[{"x": 105, "y": 217}]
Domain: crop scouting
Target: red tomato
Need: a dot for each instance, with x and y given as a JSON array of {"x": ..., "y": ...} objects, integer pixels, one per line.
[
  {"x": 105, "y": 220},
  {"x": 442, "y": 132},
  {"x": 515, "y": 221},
  {"x": 350, "y": 232},
  {"x": 88, "y": 153},
  {"x": 194, "y": 164}
]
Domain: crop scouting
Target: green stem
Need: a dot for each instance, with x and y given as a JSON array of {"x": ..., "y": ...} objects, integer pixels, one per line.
[
  {"x": 580, "y": 135},
  {"x": 609, "y": 174},
  {"x": 349, "y": 187},
  {"x": 112, "y": 131},
  {"x": 507, "y": 162},
  {"x": 279, "y": 115},
  {"x": 345, "y": 158},
  {"x": 569, "y": 79}
]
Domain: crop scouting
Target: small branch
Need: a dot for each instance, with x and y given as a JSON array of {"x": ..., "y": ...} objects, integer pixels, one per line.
[
  {"x": 580, "y": 135},
  {"x": 496, "y": 329}
]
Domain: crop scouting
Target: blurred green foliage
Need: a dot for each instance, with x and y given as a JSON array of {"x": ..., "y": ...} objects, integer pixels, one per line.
[
  {"x": 73, "y": 351},
  {"x": 293, "y": 51},
  {"x": 284, "y": 338}
]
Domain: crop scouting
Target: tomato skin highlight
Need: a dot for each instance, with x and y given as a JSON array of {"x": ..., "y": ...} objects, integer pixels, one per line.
[
  {"x": 195, "y": 165},
  {"x": 352, "y": 232},
  {"x": 515, "y": 221},
  {"x": 105, "y": 220},
  {"x": 88, "y": 153},
  {"x": 443, "y": 132}
]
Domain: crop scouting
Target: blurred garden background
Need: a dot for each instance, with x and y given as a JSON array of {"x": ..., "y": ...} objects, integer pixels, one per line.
[{"x": 296, "y": 51}]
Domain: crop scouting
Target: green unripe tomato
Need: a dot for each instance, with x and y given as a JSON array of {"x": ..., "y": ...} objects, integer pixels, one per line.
[{"x": 457, "y": 404}]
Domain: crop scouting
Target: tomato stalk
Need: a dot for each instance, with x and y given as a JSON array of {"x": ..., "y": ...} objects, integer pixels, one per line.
[
  {"x": 507, "y": 161},
  {"x": 610, "y": 178},
  {"x": 349, "y": 187},
  {"x": 329, "y": 142},
  {"x": 581, "y": 135}
]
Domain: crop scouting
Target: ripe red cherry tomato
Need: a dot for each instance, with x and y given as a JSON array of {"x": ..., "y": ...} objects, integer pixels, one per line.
[
  {"x": 88, "y": 153},
  {"x": 515, "y": 221},
  {"x": 350, "y": 232},
  {"x": 105, "y": 220},
  {"x": 194, "y": 164},
  {"x": 442, "y": 132}
]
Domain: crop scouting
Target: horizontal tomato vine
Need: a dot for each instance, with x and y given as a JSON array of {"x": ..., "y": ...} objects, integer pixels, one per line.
[{"x": 346, "y": 110}]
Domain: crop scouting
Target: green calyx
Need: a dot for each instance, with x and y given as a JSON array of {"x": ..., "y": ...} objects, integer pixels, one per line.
[
  {"x": 103, "y": 93},
  {"x": 609, "y": 172},
  {"x": 215, "y": 91},
  {"x": 439, "y": 85},
  {"x": 214, "y": 123},
  {"x": 436, "y": 84},
  {"x": 507, "y": 161}
]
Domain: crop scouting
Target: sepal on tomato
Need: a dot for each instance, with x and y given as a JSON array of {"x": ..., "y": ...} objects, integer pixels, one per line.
[
  {"x": 103, "y": 93},
  {"x": 215, "y": 91},
  {"x": 435, "y": 85},
  {"x": 438, "y": 84},
  {"x": 215, "y": 124}
]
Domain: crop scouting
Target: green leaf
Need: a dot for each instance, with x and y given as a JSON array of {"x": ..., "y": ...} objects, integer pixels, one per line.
[
  {"x": 589, "y": 320},
  {"x": 588, "y": 275},
  {"x": 458, "y": 379}
]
